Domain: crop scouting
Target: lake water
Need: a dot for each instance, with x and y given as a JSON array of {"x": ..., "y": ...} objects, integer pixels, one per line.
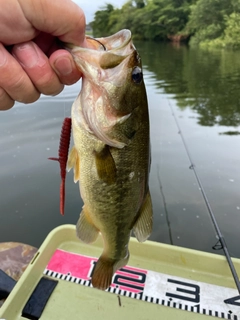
[{"x": 199, "y": 91}]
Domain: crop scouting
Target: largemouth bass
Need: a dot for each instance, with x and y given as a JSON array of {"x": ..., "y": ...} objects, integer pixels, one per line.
[{"x": 111, "y": 156}]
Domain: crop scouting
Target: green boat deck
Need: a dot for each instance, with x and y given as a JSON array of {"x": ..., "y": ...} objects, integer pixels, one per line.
[{"x": 161, "y": 281}]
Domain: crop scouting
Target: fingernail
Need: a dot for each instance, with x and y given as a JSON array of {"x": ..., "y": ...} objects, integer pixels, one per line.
[
  {"x": 63, "y": 66},
  {"x": 3, "y": 56},
  {"x": 27, "y": 55}
]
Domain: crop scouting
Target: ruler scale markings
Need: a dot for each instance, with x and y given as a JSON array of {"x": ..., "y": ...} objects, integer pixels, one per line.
[{"x": 153, "y": 287}]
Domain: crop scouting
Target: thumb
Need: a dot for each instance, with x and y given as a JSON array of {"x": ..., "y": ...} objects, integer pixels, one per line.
[{"x": 61, "y": 18}]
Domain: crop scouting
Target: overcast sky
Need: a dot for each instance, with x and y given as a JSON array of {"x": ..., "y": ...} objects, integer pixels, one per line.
[{"x": 91, "y": 6}]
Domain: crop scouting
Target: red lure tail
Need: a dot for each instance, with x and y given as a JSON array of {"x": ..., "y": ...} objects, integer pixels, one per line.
[{"x": 62, "y": 158}]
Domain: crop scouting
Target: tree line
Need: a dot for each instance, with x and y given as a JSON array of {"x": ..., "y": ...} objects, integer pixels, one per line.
[{"x": 212, "y": 23}]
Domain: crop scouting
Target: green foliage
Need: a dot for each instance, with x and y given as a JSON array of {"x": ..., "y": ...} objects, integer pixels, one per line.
[
  {"x": 140, "y": 4},
  {"x": 125, "y": 17},
  {"x": 207, "y": 12},
  {"x": 210, "y": 32},
  {"x": 230, "y": 38},
  {"x": 100, "y": 24},
  {"x": 232, "y": 32},
  {"x": 147, "y": 19},
  {"x": 152, "y": 28},
  {"x": 210, "y": 23}
]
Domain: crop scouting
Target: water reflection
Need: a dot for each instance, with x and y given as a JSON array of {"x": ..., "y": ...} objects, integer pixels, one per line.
[
  {"x": 230, "y": 133},
  {"x": 208, "y": 82},
  {"x": 203, "y": 90}
]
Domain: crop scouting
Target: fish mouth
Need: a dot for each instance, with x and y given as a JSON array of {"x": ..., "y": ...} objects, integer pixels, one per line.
[
  {"x": 117, "y": 43},
  {"x": 102, "y": 53}
]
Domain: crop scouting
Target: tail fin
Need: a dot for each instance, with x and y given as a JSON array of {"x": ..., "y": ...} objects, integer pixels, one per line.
[
  {"x": 105, "y": 269},
  {"x": 103, "y": 273}
]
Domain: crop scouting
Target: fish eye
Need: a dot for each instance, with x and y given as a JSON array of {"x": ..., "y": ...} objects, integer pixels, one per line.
[{"x": 137, "y": 75}]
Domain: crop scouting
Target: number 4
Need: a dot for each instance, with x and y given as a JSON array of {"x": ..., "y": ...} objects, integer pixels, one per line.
[{"x": 232, "y": 301}]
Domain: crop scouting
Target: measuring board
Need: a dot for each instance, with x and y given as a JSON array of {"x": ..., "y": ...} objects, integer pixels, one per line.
[{"x": 150, "y": 286}]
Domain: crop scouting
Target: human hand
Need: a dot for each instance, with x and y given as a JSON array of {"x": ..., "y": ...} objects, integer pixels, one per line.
[{"x": 31, "y": 60}]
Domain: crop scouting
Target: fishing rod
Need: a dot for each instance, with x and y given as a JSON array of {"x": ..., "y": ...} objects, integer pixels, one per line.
[
  {"x": 219, "y": 233},
  {"x": 165, "y": 206}
]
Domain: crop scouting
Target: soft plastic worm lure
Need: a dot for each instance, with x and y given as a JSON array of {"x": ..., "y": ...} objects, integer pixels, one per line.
[{"x": 62, "y": 158}]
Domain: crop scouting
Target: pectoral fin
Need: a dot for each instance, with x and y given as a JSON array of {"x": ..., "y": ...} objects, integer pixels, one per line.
[
  {"x": 143, "y": 226},
  {"x": 105, "y": 165},
  {"x": 86, "y": 231},
  {"x": 74, "y": 162}
]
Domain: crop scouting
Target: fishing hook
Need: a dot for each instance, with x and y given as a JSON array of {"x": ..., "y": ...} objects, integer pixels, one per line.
[{"x": 104, "y": 48}]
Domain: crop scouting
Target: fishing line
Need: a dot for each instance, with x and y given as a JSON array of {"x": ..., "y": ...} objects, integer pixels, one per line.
[
  {"x": 165, "y": 206},
  {"x": 64, "y": 105},
  {"x": 219, "y": 233}
]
